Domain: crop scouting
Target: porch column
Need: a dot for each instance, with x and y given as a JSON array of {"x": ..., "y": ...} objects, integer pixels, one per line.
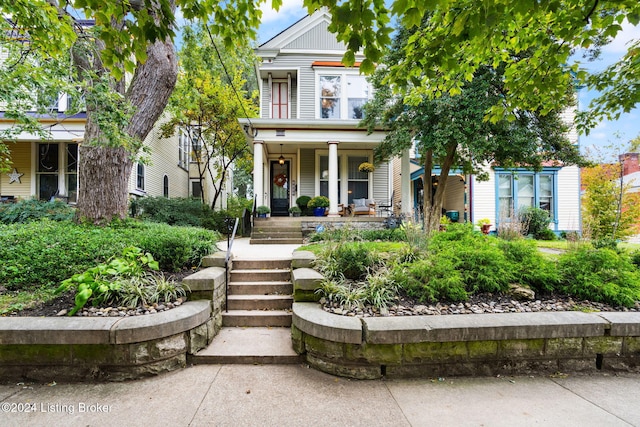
[
  {"x": 405, "y": 184},
  {"x": 258, "y": 178},
  {"x": 333, "y": 178}
]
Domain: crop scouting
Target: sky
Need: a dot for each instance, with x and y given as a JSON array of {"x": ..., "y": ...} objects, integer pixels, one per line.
[{"x": 603, "y": 135}]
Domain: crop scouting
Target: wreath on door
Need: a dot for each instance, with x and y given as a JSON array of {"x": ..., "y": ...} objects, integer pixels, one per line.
[{"x": 280, "y": 180}]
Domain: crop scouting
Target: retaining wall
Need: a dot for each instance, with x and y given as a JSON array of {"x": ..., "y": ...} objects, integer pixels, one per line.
[
  {"x": 114, "y": 348},
  {"x": 485, "y": 344}
]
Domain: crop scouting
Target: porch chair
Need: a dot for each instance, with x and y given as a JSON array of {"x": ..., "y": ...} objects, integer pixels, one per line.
[
  {"x": 363, "y": 207},
  {"x": 386, "y": 208}
]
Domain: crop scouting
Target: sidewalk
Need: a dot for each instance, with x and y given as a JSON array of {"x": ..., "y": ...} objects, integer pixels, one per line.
[{"x": 294, "y": 395}]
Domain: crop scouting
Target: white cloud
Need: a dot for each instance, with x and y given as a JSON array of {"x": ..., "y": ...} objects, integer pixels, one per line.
[
  {"x": 289, "y": 9},
  {"x": 620, "y": 44}
]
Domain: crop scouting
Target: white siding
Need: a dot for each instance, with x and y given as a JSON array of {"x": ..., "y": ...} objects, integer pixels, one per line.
[
  {"x": 483, "y": 198},
  {"x": 306, "y": 186},
  {"x": 568, "y": 185},
  {"x": 318, "y": 37},
  {"x": 381, "y": 183}
]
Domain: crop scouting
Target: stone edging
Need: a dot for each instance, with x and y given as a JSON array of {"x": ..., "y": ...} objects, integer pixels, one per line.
[
  {"x": 476, "y": 344},
  {"x": 112, "y": 348}
]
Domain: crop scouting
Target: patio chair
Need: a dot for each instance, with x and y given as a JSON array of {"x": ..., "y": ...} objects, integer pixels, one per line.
[{"x": 363, "y": 207}]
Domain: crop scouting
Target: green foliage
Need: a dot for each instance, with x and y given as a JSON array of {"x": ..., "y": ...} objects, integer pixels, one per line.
[
  {"x": 43, "y": 253},
  {"x": 303, "y": 201},
  {"x": 379, "y": 290},
  {"x": 237, "y": 205},
  {"x": 351, "y": 260},
  {"x": 127, "y": 280},
  {"x": 33, "y": 209},
  {"x": 535, "y": 221},
  {"x": 177, "y": 211},
  {"x": 529, "y": 266},
  {"x": 600, "y": 275},
  {"x": 431, "y": 280},
  {"x": 318, "y": 202},
  {"x": 349, "y": 234},
  {"x": 263, "y": 210}
]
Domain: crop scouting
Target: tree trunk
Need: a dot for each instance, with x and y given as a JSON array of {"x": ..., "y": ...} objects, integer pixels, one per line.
[
  {"x": 433, "y": 202},
  {"x": 104, "y": 171}
]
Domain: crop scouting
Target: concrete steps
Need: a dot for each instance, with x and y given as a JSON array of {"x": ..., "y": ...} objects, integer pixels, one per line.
[
  {"x": 256, "y": 325},
  {"x": 276, "y": 231}
]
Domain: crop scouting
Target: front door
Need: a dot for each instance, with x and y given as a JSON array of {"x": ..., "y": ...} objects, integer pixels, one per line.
[{"x": 280, "y": 189}]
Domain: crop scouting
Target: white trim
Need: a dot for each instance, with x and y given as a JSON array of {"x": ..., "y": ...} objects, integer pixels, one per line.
[{"x": 343, "y": 162}]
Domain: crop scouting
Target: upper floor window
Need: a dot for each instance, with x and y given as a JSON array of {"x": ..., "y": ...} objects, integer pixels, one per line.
[
  {"x": 342, "y": 96},
  {"x": 280, "y": 100},
  {"x": 521, "y": 190}
]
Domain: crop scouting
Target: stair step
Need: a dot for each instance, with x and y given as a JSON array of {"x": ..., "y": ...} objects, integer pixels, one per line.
[
  {"x": 249, "y": 346},
  {"x": 259, "y": 264},
  {"x": 267, "y": 275},
  {"x": 259, "y": 302},
  {"x": 277, "y": 230},
  {"x": 261, "y": 288},
  {"x": 276, "y": 241},
  {"x": 253, "y": 318}
]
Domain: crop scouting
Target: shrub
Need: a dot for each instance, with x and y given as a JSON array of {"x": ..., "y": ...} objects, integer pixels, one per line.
[
  {"x": 529, "y": 266},
  {"x": 349, "y": 234},
  {"x": 237, "y": 205},
  {"x": 33, "y": 209},
  {"x": 431, "y": 280},
  {"x": 600, "y": 275},
  {"x": 318, "y": 202},
  {"x": 347, "y": 259},
  {"x": 534, "y": 222},
  {"x": 178, "y": 211},
  {"x": 302, "y": 202},
  {"x": 43, "y": 253},
  {"x": 635, "y": 258}
]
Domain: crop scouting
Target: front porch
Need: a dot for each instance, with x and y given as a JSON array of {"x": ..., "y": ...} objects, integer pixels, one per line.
[{"x": 292, "y": 230}]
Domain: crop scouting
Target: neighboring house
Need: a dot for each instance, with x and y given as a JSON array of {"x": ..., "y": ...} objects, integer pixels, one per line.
[
  {"x": 631, "y": 171},
  {"x": 306, "y": 141},
  {"x": 48, "y": 168},
  {"x": 555, "y": 189}
]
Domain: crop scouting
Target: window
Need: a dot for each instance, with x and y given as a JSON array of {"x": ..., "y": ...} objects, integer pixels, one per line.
[
  {"x": 279, "y": 100},
  {"x": 47, "y": 171},
  {"x": 196, "y": 189},
  {"x": 330, "y": 97},
  {"x": 165, "y": 186},
  {"x": 140, "y": 177},
  {"x": 57, "y": 171},
  {"x": 342, "y": 96},
  {"x": 358, "y": 181},
  {"x": 324, "y": 176},
  {"x": 183, "y": 149},
  {"x": 196, "y": 144},
  {"x": 519, "y": 190}
]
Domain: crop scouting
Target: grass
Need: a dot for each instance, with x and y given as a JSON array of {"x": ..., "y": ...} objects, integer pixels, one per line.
[
  {"x": 565, "y": 245},
  {"x": 20, "y": 300},
  {"x": 380, "y": 247}
]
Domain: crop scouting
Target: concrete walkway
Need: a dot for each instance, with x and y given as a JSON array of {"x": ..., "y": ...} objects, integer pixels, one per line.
[
  {"x": 294, "y": 395},
  {"x": 242, "y": 249}
]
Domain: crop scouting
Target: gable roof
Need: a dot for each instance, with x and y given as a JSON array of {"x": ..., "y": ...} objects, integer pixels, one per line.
[{"x": 309, "y": 33}]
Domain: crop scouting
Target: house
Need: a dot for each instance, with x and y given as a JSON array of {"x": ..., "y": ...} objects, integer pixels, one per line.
[
  {"x": 47, "y": 167},
  {"x": 306, "y": 141},
  {"x": 631, "y": 171},
  {"x": 555, "y": 189}
]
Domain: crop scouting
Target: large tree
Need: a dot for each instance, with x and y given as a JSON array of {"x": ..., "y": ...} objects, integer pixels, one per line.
[
  {"x": 211, "y": 94},
  {"x": 135, "y": 36},
  {"x": 451, "y": 132}
]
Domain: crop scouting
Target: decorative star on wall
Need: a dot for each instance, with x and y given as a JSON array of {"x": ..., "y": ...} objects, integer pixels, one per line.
[{"x": 15, "y": 176}]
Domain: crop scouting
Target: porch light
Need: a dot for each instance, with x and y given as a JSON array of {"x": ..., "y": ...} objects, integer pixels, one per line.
[{"x": 281, "y": 158}]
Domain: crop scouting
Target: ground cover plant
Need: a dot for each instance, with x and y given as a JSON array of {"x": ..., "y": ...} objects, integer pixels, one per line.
[
  {"x": 460, "y": 263},
  {"x": 38, "y": 255}
]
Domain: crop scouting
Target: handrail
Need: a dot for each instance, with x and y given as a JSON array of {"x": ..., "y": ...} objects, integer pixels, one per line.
[{"x": 230, "y": 239}]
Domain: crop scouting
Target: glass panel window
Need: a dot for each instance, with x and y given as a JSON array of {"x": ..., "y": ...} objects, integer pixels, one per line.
[
  {"x": 165, "y": 186},
  {"x": 47, "y": 171},
  {"x": 358, "y": 92},
  {"x": 330, "y": 97},
  {"x": 546, "y": 194},
  {"x": 324, "y": 176},
  {"x": 280, "y": 100},
  {"x": 505, "y": 195},
  {"x": 140, "y": 177},
  {"x": 196, "y": 144},
  {"x": 358, "y": 181},
  {"x": 526, "y": 192},
  {"x": 71, "y": 176},
  {"x": 183, "y": 149}
]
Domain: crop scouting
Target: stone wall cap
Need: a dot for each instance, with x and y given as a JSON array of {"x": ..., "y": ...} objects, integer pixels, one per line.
[
  {"x": 205, "y": 279},
  {"x": 311, "y": 319},
  {"x": 623, "y": 324},
  {"x": 103, "y": 330},
  {"x": 164, "y": 324},
  {"x": 478, "y": 327}
]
